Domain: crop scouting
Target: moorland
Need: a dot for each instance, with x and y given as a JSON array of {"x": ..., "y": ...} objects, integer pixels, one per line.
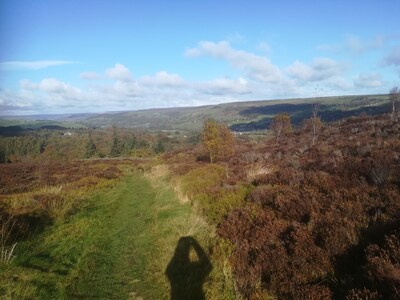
[{"x": 289, "y": 199}]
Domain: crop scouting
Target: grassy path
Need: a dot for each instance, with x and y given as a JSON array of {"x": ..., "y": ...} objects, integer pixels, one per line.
[
  {"x": 120, "y": 263},
  {"x": 117, "y": 248}
]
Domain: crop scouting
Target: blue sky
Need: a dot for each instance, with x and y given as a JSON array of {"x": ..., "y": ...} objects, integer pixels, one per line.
[{"x": 93, "y": 56}]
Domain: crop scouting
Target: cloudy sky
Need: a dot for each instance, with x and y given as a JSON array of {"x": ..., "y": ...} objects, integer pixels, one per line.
[{"x": 60, "y": 56}]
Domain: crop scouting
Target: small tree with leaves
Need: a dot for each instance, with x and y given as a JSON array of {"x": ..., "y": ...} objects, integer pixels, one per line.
[
  {"x": 281, "y": 125},
  {"x": 217, "y": 139},
  {"x": 394, "y": 97}
]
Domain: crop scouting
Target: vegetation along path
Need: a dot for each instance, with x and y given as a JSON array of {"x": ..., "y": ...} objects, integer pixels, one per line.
[{"x": 117, "y": 248}]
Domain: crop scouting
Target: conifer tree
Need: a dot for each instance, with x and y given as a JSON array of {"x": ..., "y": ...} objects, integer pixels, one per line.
[
  {"x": 116, "y": 147},
  {"x": 159, "y": 147},
  {"x": 91, "y": 149}
]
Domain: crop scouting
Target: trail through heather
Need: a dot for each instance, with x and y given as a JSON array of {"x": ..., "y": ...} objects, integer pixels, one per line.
[{"x": 126, "y": 258}]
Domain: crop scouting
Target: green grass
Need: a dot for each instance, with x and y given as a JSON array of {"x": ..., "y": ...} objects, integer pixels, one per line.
[{"x": 117, "y": 248}]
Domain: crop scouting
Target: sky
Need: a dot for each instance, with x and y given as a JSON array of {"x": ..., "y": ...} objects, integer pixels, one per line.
[{"x": 76, "y": 56}]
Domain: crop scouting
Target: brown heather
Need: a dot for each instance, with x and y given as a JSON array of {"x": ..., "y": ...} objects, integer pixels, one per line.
[{"x": 323, "y": 222}]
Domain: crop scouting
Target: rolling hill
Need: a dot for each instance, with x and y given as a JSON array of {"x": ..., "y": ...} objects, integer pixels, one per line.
[{"x": 240, "y": 116}]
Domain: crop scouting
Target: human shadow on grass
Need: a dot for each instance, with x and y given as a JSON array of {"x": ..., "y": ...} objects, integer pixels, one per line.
[{"x": 188, "y": 270}]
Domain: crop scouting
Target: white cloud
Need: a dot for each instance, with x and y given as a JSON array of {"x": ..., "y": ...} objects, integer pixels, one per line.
[
  {"x": 368, "y": 81},
  {"x": 260, "y": 79},
  {"x": 326, "y": 67},
  {"x": 27, "y": 85},
  {"x": 319, "y": 69},
  {"x": 33, "y": 65},
  {"x": 90, "y": 75},
  {"x": 225, "y": 86},
  {"x": 119, "y": 72},
  {"x": 300, "y": 71},
  {"x": 130, "y": 89},
  {"x": 255, "y": 67},
  {"x": 54, "y": 86},
  {"x": 10, "y": 102},
  {"x": 49, "y": 86},
  {"x": 256, "y": 78},
  {"x": 50, "y": 93},
  {"x": 162, "y": 89},
  {"x": 163, "y": 78}
]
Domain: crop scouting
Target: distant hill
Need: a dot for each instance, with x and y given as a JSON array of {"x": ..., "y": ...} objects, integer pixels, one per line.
[
  {"x": 20, "y": 130},
  {"x": 244, "y": 116},
  {"x": 240, "y": 116}
]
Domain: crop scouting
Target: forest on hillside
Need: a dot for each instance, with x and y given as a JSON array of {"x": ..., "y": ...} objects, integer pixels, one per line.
[
  {"x": 46, "y": 144},
  {"x": 308, "y": 212}
]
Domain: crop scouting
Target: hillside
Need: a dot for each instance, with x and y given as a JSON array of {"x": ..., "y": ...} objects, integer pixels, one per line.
[
  {"x": 240, "y": 116},
  {"x": 243, "y": 116}
]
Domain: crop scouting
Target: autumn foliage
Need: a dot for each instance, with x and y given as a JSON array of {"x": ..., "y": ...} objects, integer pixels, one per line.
[
  {"x": 281, "y": 125},
  {"x": 217, "y": 139}
]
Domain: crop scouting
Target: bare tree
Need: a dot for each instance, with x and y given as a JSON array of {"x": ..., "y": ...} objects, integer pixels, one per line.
[
  {"x": 316, "y": 122},
  {"x": 394, "y": 97},
  {"x": 313, "y": 124}
]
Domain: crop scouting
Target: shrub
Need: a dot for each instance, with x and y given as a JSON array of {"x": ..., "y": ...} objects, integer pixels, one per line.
[
  {"x": 202, "y": 179},
  {"x": 218, "y": 204},
  {"x": 279, "y": 255},
  {"x": 383, "y": 266}
]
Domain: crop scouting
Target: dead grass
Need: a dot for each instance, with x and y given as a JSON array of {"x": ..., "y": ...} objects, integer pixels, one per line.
[{"x": 257, "y": 170}]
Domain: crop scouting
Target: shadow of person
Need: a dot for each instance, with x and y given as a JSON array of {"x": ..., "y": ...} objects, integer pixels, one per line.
[{"x": 187, "y": 270}]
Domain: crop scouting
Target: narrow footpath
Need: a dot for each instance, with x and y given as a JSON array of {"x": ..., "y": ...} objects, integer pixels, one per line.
[{"x": 137, "y": 228}]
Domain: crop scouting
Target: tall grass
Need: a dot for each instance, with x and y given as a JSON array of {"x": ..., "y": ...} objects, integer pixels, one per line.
[
  {"x": 7, "y": 254},
  {"x": 185, "y": 220},
  {"x": 7, "y": 245}
]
